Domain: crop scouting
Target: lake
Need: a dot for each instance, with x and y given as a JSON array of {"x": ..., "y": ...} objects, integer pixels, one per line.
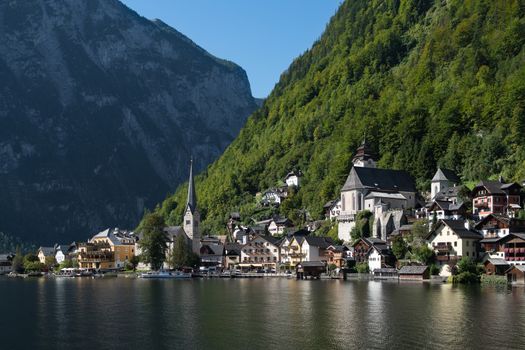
[{"x": 271, "y": 313}]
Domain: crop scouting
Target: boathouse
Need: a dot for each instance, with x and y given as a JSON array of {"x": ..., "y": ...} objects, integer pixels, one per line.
[{"x": 414, "y": 273}]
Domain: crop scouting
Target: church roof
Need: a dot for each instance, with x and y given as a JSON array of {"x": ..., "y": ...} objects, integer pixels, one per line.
[
  {"x": 380, "y": 179},
  {"x": 446, "y": 175},
  {"x": 192, "y": 197}
]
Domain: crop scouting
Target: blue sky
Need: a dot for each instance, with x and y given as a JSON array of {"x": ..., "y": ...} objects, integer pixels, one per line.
[{"x": 262, "y": 36}]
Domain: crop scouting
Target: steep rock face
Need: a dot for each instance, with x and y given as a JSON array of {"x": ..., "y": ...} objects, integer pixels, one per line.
[{"x": 100, "y": 110}]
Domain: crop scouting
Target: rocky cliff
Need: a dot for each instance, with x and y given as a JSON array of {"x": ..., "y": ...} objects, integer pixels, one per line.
[{"x": 100, "y": 110}]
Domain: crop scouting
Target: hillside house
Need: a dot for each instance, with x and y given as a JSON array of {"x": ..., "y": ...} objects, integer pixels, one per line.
[
  {"x": 44, "y": 252},
  {"x": 510, "y": 248},
  {"x": 380, "y": 256},
  {"x": 495, "y": 225},
  {"x": 362, "y": 246},
  {"x": 332, "y": 209},
  {"x": 293, "y": 178},
  {"x": 496, "y": 197},
  {"x": 443, "y": 180},
  {"x": 278, "y": 226}
]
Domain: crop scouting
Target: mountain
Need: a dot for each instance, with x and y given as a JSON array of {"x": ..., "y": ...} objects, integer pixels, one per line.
[
  {"x": 100, "y": 111},
  {"x": 428, "y": 82}
]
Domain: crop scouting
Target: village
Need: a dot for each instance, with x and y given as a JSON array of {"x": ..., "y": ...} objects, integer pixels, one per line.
[{"x": 386, "y": 229}]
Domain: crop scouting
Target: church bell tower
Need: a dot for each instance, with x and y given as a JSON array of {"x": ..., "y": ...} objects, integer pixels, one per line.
[{"x": 192, "y": 216}]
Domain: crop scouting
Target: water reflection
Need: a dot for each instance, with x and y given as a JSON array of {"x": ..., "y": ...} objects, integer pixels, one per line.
[{"x": 257, "y": 314}]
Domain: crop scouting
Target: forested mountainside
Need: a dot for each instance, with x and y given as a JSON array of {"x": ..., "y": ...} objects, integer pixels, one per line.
[
  {"x": 100, "y": 111},
  {"x": 430, "y": 83}
]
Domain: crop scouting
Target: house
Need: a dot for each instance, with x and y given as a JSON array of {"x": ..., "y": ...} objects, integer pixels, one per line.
[
  {"x": 367, "y": 187},
  {"x": 496, "y": 197},
  {"x": 336, "y": 255},
  {"x": 274, "y": 196},
  {"x": 510, "y": 248},
  {"x": 362, "y": 247},
  {"x": 232, "y": 255},
  {"x": 314, "y": 248},
  {"x": 453, "y": 239},
  {"x": 62, "y": 253},
  {"x": 495, "y": 225},
  {"x": 6, "y": 263},
  {"x": 293, "y": 178},
  {"x": 443, "y": 180},
  {"x": 446, "y": 210},
  {"x": 44, "y": 252},
  {"x": 404, "y": 231},
  {"x": 212, "y": 254},
  {"x": 278, "y": 226},
  {"x": 285, "y": 250},
  {"x": 332, "y": 209},
  {"x": 260, "y": 252},
  {"x": 414, "y": 273},
  {"x": 380, "y": 256},
  {"x": 495, "y": 266},
  {"x": 516, "y": 274},
  {"x": 109, "y": 249}
]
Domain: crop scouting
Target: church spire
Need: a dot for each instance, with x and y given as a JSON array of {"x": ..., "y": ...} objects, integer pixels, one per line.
[{"x": 192, "y": 198}]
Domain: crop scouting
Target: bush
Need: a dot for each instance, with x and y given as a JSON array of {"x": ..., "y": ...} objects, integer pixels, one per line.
[
  {"x": 466, "y": 278},
  {"x": 434, "y": 269},
  {"x": 493, "y": 279},
  {"x": 362, "y": 267}
]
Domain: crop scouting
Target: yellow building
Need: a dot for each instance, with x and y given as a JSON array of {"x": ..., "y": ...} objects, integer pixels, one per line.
[{"x": 109, "y": 249}]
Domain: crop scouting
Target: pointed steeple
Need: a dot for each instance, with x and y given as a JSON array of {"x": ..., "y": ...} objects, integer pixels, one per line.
[{"x": 192, "y": 198}]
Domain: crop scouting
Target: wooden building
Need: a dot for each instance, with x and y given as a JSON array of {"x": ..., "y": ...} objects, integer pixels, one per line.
[
  {"x": 414, "y": 273},
  {"x": 516, "y": 274},
  {"x": 495, "y": 266},
  {"x": 496, "y": 197},
  {"x": 312, "y": 269}
]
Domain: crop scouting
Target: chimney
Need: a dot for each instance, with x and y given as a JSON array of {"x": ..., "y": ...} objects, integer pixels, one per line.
[{"x": 467, "y": 224}]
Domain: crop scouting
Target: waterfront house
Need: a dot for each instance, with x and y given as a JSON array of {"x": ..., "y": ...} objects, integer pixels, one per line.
[
  {"x": 260, "y": 252},
  {"x": 336, "y": 255},
  {"x": 496, "y": 197},
  {"x": 232, "y": 255},
  {"x": 212, "y": 254},
  {"x": 293, "y": 178},
  {"x": 496, "y": 266},
  {"x": 498, "y": 226},
  {"x": 314, "y": 248},
  {"x": 443, "y": 180},
  {"x": 366, "y": 187},
  {"x": 510, "y": 248},
  {"x": 62, "y": 253},
  {"x": 380, "y": 256},
  {"x": 414, "y": 273},
  {"x": 453, "y": 239},
  {"x": 6, "y": 263},
  {"x": 109, "y": 249},
  {"x": 362, "y": 247},
  {"x": 44, "y": 252},
  {"x": 516, "y": 274}
]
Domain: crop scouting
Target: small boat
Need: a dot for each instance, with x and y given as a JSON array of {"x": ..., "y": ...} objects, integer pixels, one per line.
[{"x": 165, "y": 274}]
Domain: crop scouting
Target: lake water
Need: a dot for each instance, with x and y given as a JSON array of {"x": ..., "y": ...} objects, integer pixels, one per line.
[{"x": 268, "y": 313}]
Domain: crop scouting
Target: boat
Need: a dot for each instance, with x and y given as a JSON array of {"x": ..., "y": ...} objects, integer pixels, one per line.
[{"x": 165, "y": 274}]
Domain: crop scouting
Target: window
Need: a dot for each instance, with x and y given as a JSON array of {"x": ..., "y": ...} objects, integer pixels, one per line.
[
  {"x": 467, "y": 253},
  {"x": 188, "y": 222},
  {"x": 275, "y": 250},
  {"x": 467, "y": 243},
  {"x": 455, "y": 244}
]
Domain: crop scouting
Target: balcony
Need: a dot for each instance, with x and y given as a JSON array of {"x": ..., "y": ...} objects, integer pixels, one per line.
[{"x": 443, "y": 247}]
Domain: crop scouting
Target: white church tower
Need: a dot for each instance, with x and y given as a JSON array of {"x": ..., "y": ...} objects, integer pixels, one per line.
[{"x": 192, "y": 216}]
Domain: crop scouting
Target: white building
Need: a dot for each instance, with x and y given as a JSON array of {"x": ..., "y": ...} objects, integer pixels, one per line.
[
  {"x": 367, "y": 187},
  {"x": 260, "y": 252},
  {"x": 442, "y": 181},
  {"x": 453, "y": 240},
  {"x": 293, "y": 178}
]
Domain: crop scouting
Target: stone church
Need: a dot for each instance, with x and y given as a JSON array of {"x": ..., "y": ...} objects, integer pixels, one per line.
[{"x": 384, "y": 192}]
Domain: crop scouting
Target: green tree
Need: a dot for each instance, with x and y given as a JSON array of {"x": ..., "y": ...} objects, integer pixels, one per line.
[
  {"x": 50, "y": 262},
  {"x": 399, "y": 247},
  {"x": 18, "y": 261},
  {"x": 467, "y": 271},
  {"x": 134, "y": 261},
  {"x": 180, "y": 254},
  {"x": 154, "y": 241},
  {"x": 362, "y": 267},
  {"x": 424, "y": 254}
]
